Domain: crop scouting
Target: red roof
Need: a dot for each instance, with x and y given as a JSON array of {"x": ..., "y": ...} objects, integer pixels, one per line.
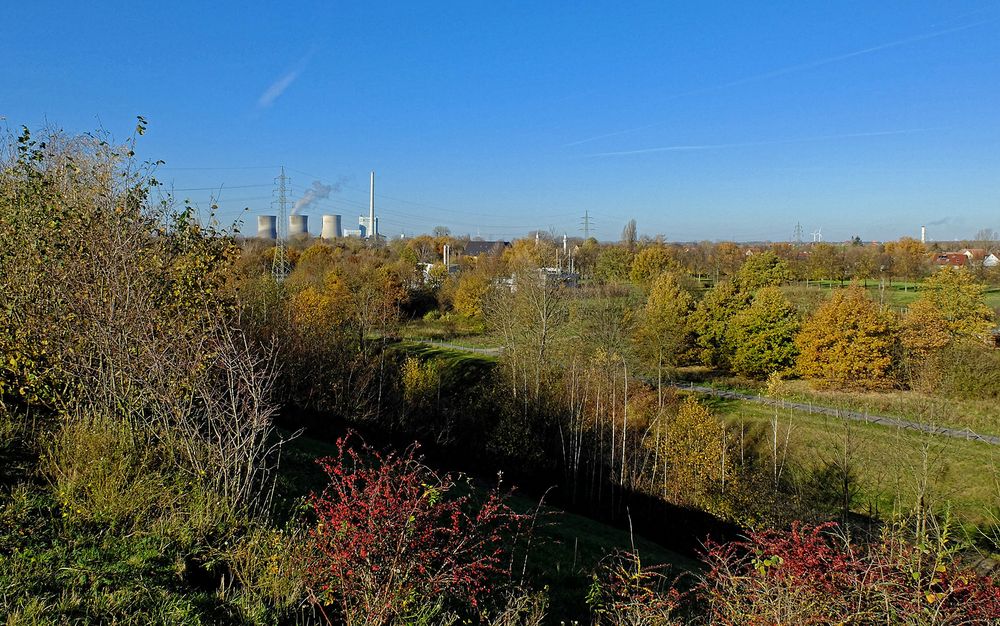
[{"x": 956, "y": 259}]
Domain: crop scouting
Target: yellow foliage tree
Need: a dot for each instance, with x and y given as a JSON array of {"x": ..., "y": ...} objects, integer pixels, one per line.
[
  {"x": 468, "y": 297},
  {"x": 663, "y": 332},
  {"x": 957, "y": 299},
  {"x": 692, "y": 449},
  {"x": 651, "y": 262},
  {"x": 850, "y": 341},
  {"x": 924, "y": 329}
]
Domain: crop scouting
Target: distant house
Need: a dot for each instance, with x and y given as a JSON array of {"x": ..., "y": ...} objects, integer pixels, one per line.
[
  {"x": 953, "y": 259},
  {"x": 975, "y": 255},
  {"x": 479, "y": 248},
  {"x": 991, "y": 260}
]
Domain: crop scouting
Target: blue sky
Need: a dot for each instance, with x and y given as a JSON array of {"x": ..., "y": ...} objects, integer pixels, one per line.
[{"x": 702, "y": 120}]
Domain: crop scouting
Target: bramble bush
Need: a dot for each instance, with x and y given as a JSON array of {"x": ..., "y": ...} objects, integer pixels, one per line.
[{"x": 394, "y": 543}]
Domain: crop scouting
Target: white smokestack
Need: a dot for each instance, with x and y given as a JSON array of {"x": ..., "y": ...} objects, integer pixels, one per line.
[
  {"x": 372, "y": 225},
  {"x": 923, "y": 234}
]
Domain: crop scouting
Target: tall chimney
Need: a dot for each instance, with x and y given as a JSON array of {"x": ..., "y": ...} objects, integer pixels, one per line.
[
  {"x": 372, "y": 227},
  {"x": 923, "y": 234}
]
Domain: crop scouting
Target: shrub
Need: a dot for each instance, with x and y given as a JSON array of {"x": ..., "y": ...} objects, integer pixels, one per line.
[
  {"x": 392, "y": 541},
  {"x": 816, "y": 575},
  {"x": 623, "y": 593}
]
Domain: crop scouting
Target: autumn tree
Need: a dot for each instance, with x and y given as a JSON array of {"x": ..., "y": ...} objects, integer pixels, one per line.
[
  {"x": 763, "y": 335},
  {"x": 692, "y": 445},
  {"x": 863, "y": 263},
  {"x": 909, "y": 257},
  {"x": 762, "y": 270},
  {"x": 958, "y": 299},
  {"x": 650, "y": 263},
  {"x": 924, "y": 329},
  {"x": 850, "y": 341},
  {"x": 613, "y": 265},
  {"x": 663, "y": 333},
  {"x": 467, "y": 298},
  {"x": 826, "y": 262},
  {"x": 727, "y": 257}
]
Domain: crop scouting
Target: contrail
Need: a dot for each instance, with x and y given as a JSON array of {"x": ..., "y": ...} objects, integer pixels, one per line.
[
  {"x": 752, "y": 144},
  {"x": 789, "y": 70},
  {"x": 278, "y": 87}
]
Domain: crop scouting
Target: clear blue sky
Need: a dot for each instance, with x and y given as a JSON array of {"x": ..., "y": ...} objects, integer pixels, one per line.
[{"x": 702, "y": 120}]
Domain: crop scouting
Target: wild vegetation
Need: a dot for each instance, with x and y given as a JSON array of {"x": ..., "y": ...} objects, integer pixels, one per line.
[{"x": 155, "y": 382}]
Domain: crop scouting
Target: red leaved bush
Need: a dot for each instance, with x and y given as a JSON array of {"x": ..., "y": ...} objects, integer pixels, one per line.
[
  {"x": 393, "y": 542},
  {"x": 815, "y": 575},
  {"x": 623, "y": 592}
]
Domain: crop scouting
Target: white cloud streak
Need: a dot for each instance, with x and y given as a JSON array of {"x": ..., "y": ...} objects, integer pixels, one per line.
[
  {"x": 790, "y": 70},
  {"x": 754, "y": 144},
  {"x": 278, "y": 87}
]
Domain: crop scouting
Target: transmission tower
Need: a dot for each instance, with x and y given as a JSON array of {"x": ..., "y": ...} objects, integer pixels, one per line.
[
  {"x": 280, "y": 267},
  {"x": 586, "y": 224},
  {"x": 798, "y": 232}
]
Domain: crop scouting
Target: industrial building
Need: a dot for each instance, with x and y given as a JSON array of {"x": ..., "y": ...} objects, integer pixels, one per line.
[{"x": 332, "y": 228}]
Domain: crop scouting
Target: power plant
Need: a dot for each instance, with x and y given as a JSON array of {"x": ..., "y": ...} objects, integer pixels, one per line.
[
  {"x": 298, "y": 224},
  {"x": 267, "y": 227},
  {"x": 331, "y": 227}
]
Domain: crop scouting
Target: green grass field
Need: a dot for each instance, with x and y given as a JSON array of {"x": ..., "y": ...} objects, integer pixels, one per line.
[
  {"x": 893, "y": 467},
  {"x": 897, "y": 295},
  {"x": 980, "y": 416}
]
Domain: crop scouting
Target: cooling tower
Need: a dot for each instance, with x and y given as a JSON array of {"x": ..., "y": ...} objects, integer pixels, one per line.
[
  {"x": 298, "y": 226},
  {"x": 267, "y": 226},
  {"x": 331, "y": 227}
]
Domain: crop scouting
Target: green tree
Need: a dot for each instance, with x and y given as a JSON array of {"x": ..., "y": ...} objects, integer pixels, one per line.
[
  {"x": 613, "y": 265},
  {"x": 763, "y": 335},
  {"x": 763, "y": 270},
  {"x": 850, "y": 341},
  {"x": 710, "y": 322}
]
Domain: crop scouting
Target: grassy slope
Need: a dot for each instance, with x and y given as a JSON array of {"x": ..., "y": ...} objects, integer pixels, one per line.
[
  {"x": 564, "y": 551},
  {"x": 978, "y": 415},
  {"x": 889, "y": 463}
]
